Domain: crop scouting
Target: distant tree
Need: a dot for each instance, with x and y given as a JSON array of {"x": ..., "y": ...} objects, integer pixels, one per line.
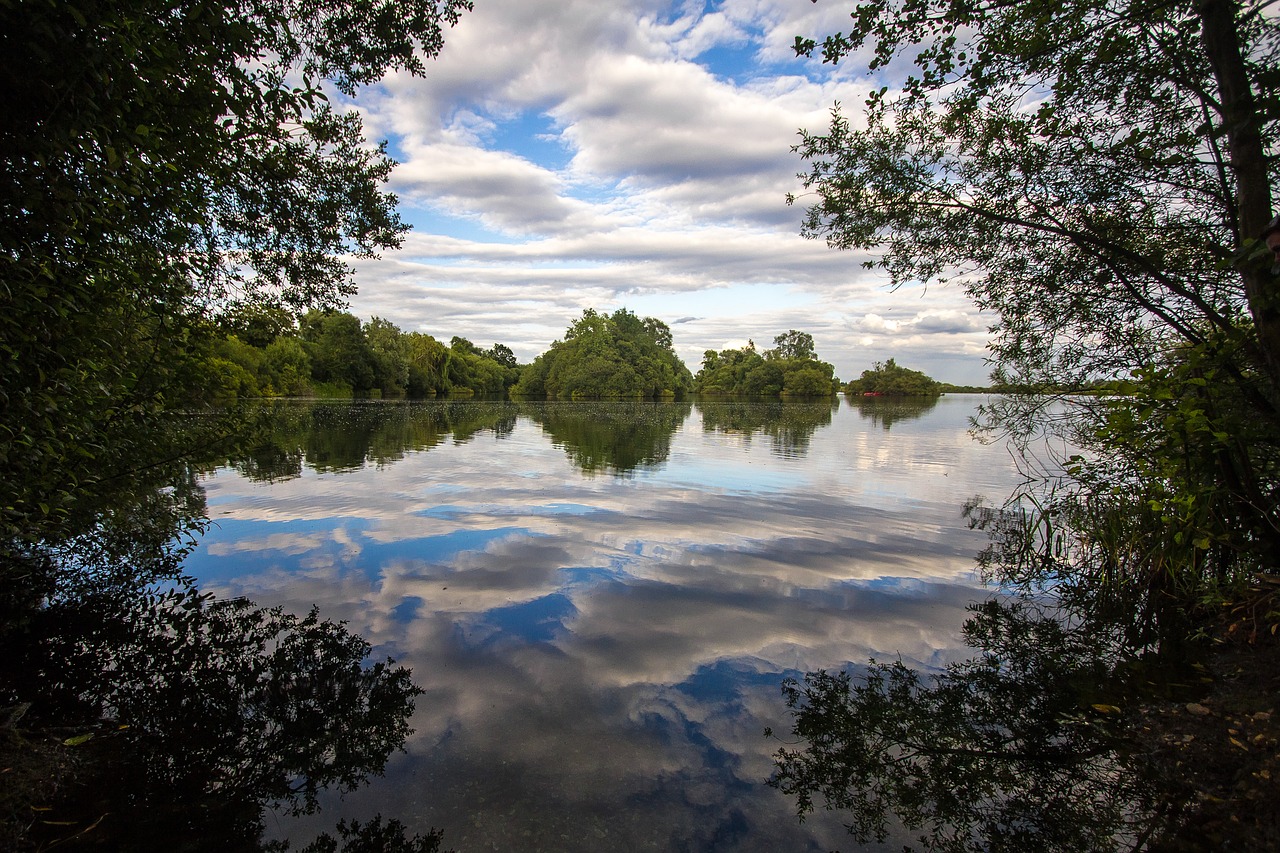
[
  {"x": 618, "y": 355},
  {"x": 462, "y": 345},
  {"x": 793, "y": 344},
  {"x": 391, "y": 354},
  {"x": 338, "y": 350},
  {"x": 286, "y": 368},
  {"x": 427, "y": 358},
  {"x": 501, "y": 354},
  {"x": 791, "y": 369},
  {"x": 258, "y": 324},
  {"x": 892, "y": 380}
]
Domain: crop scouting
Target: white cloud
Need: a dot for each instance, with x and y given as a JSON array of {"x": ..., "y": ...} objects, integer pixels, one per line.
[{"x": 564, "y": 155}]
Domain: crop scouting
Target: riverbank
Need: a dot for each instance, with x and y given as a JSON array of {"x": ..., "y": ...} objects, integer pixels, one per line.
[{"x": 1220, "y": 755}]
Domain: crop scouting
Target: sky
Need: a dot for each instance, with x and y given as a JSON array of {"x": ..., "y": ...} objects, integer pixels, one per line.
[{"x": 561, "y": 155}]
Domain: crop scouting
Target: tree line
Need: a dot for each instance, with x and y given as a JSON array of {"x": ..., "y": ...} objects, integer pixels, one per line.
[{"x": 264, "y": 353}]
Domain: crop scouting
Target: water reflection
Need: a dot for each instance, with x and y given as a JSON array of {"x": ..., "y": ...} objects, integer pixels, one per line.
[
  {"x": 886, "y": 411},
  {"x": 617, "y": 437},
  {"x": 789, "y": 425},
  {"x": 195, "y": 712},
  {"x": 1018, "y": 748},
  {"x": 599, "y": 655},
  {"x": 344, "y": 436}
]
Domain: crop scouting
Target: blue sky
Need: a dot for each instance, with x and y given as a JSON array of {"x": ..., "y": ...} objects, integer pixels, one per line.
[{"x": 571, "y": 154}]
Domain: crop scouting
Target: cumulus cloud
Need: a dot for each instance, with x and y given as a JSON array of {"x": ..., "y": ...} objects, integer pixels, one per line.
[{"x": 564, "y": 155}]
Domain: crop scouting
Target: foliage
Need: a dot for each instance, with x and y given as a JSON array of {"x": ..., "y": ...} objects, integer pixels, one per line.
[
  {"x": 1011, "y": 750},
  {"x": 615, "y": 355},
  {"x": 1066, "y": 162},
  {"x": 332, "y": 353},
  {"x": 1096, "y": 177},
  {"x": 165, "y": 161},
  {"x": 892, "y": 380},
  {"x": 790, "y": 369}
]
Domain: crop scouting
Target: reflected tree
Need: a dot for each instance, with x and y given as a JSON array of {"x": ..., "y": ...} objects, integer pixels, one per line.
[
  {"x": 616, "y": 437},
  {"x": 790, "y": 425},
  {"x": 886, "y": 411},
  {"x": 373, "y": 836},
  {"x": 1018, "y": 748},
  {"x": 139, "y": 708},
  {"x": 208, "y": 710},
  {"x": 345, "y": 436}
]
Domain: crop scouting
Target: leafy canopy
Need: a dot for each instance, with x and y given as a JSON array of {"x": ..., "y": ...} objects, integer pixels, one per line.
[
  {"x": 166, "y": 161},
  {"x": 608, "y": 355},
  {"x": 791, "y": 368},
  {"x": 891, "y": 379}
]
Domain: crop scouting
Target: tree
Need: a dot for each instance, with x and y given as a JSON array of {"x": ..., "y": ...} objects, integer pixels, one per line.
[
  {"x": 164, "y": 161},
  {"x": 791, "y": 369},
  {"x": 602, "y": 355},
  {"x": 340, "y": 353},
  {"x": 793, "y": 344},
  {"x": 1072, "y": 148},
  {"x": 391, "y": 356},
  {"x": 502, "y": 354},
  {"x": 890, "y": 379},
  {"x": 1096, "y": 175}
]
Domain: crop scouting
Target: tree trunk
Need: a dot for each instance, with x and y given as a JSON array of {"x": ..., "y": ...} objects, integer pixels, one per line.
[{"x": 1221, "y": 41}]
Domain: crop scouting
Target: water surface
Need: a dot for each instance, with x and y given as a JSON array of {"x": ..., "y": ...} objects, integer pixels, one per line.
[{"x": 600, "y": 600}]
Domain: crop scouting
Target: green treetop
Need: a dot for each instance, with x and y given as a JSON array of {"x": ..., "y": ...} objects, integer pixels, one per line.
[
  {"x": 791, "y": 369},
  {"x": 891, "y": 380},
  {"x": 605, "y": 356}
]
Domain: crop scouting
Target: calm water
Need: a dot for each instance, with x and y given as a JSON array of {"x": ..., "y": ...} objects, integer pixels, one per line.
[{"x": 601, "y": 599}]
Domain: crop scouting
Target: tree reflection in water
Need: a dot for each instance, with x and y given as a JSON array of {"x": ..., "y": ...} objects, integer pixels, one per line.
[
  {"x": 1024, "y": 746},
  {"x": 887, "y": 411},
  {"x": 618, "y": 437},
  {"x": 1015, "y": 749},
  {"x": 344, "y": 436},
  {"x": 186, "y": 715},
  {"x": 789, "y": 425}
]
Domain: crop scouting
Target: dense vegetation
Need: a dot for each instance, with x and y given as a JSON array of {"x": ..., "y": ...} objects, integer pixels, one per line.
[
  {"x": 331, "y": 353},
  {"x": 1097, "y": 175},
  {"x": 790, "y": 369},
  {"x": 616, "y": 355},
  {"x": 170, "y": 166},
  {"x": 891, "y": 380}
]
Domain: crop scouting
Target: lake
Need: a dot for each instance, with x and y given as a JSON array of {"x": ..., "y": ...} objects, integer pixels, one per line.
[{"x": 600, "y": 600}]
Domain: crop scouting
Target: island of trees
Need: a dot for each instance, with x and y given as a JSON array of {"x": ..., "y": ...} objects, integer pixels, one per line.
[
  {"x": 790, "y": 369},
  {"x": 616, "y": 355},
  {"x": 889, "y": 379}
]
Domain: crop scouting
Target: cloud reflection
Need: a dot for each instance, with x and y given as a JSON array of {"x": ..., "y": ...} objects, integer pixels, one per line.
[{"x": 600, "y": 654}]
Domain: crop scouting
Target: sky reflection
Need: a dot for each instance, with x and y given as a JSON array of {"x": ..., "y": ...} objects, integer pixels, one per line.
[{"x": 601, "y": 646}]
